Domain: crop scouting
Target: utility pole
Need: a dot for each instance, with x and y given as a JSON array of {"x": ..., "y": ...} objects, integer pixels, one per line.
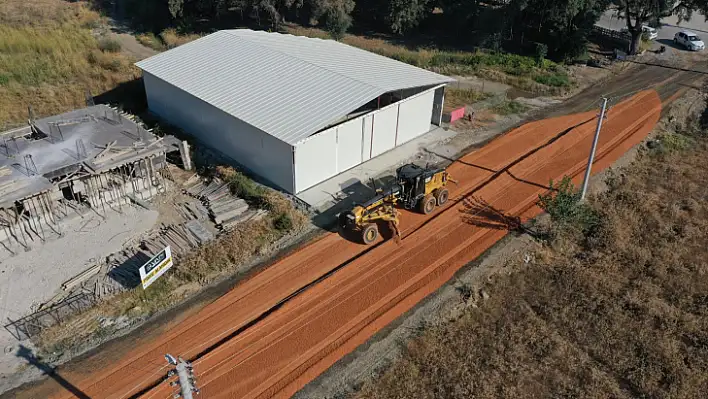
[
  {"x": 591, "y": 158},
  {"x": 186, "y": 381}
]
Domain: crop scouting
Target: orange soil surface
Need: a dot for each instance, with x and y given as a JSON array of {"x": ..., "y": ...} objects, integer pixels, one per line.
[{"x": 251, "y": 356}]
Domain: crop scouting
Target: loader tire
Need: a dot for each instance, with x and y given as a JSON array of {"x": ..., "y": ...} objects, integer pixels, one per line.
[
  {"x": 427, "y": 204},
  {"x": 369, "y": 233},
  {"x": 441, "y": 196}
]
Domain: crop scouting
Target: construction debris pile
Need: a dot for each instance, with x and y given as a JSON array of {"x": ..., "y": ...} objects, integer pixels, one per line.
[
  {"x": 85, "y": 167},
  {"x": 225, "y": 209}
]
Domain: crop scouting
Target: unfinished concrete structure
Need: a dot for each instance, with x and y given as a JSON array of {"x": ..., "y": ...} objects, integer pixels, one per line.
[{"x": 81, "y": 161}]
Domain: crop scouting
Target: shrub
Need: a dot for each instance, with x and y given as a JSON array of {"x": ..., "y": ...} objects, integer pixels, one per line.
[
  {"x": 4, "y": 79},
  {"x": 172, "y": 38},
  {"x": 150, "y": 40},
  {"x": 541, "y": 52},
  {"x": 283, "y": 222},
  {"x": 509, "y": 107},
  {"x": 109, "y": 45},
  {"x": 555, "y": 80},
  {"x": 674, "y": 142},
  {"x": 247, "y": 189},
  {"x": 563, "y": 204},
  {"x": 106, "y": 61}
]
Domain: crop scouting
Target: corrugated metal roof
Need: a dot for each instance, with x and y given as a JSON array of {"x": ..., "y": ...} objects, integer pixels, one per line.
[{"x": 288, "y": 86}]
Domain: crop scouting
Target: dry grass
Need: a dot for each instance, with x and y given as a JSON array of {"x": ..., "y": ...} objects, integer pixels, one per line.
[
  {"x": 150, "y": 40},
  {"x": 621, "y": 312},
  {"x": 456, "y": 98},
  {"x": 518, "y": 71},
  {"x": 168, "y": 39},
  {"x": 171, "y": 38},
  {"x": 48, "y": 59}
]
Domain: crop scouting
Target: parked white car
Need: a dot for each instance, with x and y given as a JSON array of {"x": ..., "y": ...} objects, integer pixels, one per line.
[
  {"x": 689, "y": 40},
  {"x": 646, "y": 29}
]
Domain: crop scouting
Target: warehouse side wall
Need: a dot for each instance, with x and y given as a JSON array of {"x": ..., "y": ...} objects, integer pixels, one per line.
[
  {"x": 261, "y": 153},
  {"x": 342, "y": 147}
]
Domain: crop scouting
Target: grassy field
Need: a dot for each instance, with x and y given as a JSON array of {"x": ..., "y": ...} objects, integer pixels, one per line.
[
  {"x": 49, "y": 58},
  {"x": 620, "y": 311},
  {"x": 519, "y": 71}
]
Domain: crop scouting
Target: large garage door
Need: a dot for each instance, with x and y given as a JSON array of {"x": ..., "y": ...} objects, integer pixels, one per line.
[
  {"x": 414, "y": 117},
  {"x": 316, "y": 159},
  {"x": 384, "y": 136},
  {"x": 349, "y": 145}
]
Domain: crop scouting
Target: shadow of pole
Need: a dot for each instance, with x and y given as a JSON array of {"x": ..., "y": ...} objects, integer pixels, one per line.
[
  {"x": 496, "y": 172},
  {"x": 27, "y": 354},
  {"x": 669, "y": 67}
]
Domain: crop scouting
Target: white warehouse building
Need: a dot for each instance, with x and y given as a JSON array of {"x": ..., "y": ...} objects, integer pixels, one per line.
[{"x": 293, "y": 110}]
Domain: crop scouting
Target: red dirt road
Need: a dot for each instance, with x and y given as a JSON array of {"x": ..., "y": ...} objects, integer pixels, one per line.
[{"x": 267, "y": 337}]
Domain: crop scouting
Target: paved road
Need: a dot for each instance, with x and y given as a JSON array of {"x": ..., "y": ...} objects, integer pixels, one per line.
[{"x": 669, "y": 26}]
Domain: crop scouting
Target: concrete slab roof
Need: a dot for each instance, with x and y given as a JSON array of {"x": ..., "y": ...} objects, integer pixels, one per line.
[
  {"x": 287, "y": 86},
  {"x": 32, "y": 157}
]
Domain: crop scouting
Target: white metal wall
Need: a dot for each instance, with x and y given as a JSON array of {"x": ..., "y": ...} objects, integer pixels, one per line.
[
  {"x": 414, "y": 117},
  {"x": 368, "y": 123},
  {"x": 383, "y": 137},
  {"x": 316, "y": 159},
  {"x": 250, "y": 147},
  {"x": 342, "y": 147},
  {"x": 349, "y": 144}
]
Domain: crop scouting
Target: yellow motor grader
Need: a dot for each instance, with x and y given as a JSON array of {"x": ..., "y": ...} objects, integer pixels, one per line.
[{"x": 415, "y": 187}]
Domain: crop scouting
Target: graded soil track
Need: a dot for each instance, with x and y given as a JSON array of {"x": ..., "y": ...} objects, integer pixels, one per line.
[{"x": 281, "y": 328}]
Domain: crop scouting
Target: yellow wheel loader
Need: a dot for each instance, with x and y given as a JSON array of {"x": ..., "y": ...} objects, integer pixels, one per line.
[{"x": 415, "y": 188}]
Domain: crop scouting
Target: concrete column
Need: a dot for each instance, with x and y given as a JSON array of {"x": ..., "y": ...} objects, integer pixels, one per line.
[{"x": 184, "y": 153}]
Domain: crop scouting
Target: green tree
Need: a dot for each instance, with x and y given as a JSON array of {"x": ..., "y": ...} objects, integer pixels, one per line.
[
  {"x": 336, "y": 15},
  {"x": 562, "y": 202},
  {"x": 404, "y": 15},
  {"x": 175, "y": 7},
  {"x": 337, "y": 22},
  {"x": 562, "y": 25}
]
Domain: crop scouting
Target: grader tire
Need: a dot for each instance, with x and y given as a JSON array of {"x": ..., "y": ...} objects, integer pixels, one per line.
[
  {"x": 441, "y": 196},
  {"x": 369, "y": 233},
  {"x": 427, "y": 204}
]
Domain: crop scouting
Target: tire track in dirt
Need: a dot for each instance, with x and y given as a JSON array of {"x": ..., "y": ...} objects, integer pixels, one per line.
[
  {"x": 265, "y": 291},
  {"x": 309, "y": 333}
]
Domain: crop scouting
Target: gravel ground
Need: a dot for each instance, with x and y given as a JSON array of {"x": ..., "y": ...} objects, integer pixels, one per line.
[{"x": 30, "y": 278}]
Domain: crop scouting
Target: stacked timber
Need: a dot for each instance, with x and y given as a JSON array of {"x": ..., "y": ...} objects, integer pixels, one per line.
[
  {"x": 225, "y": 209},
  {"x": 243, "y": 217},
  {"x": 179, "y": 238},
  {"x": 192, "y": 210}
]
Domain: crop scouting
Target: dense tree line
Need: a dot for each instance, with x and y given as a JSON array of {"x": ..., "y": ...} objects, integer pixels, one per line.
[{"x": 559, "y": 28}]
